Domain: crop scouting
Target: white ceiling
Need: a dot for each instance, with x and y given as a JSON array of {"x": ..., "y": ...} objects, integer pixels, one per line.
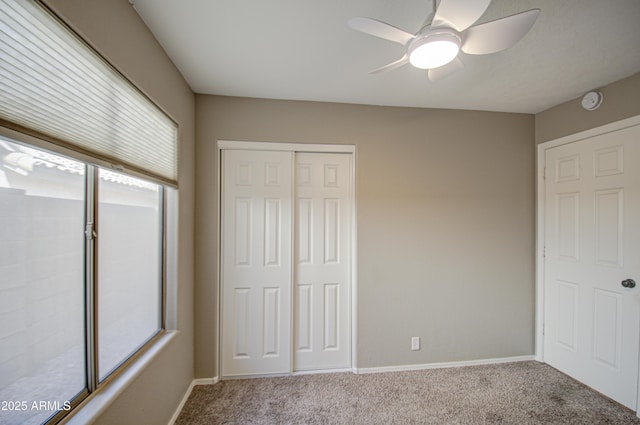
[{"x": 303, "y": 50}]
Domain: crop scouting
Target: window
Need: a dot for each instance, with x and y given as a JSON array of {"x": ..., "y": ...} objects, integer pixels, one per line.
[
  {"x": 42, "y": 333},
  {"x": 129, "y": 266},
  {"x": 62, "y": 325},
  {"x": 81, "y": 245}
]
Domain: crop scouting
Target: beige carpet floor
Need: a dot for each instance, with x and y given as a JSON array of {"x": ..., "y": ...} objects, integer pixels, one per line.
[{"x": 511, "y": 393}]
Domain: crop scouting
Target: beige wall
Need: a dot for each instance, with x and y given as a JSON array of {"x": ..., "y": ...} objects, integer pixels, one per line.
[
  {"x": 445, "y": 210},
  {"x": 116, "y": 31},
  {"x": 621, "y": 100}
]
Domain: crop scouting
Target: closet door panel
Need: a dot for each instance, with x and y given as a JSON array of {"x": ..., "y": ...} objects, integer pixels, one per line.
[
  {"x": 322, "y": 264},
  {"x": 256, "y": 262}
]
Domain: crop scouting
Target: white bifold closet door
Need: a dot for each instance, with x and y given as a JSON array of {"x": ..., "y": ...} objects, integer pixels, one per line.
[{"x": 286, "y": 262}]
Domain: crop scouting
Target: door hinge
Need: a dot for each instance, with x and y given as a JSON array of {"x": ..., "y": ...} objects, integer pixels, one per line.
[
  {"x": 89, "y": 233},
  {"x": 544, "y": 252}
]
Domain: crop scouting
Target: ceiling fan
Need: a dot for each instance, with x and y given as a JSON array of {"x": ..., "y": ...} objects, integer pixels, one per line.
[{"x": 448, "y": 30}]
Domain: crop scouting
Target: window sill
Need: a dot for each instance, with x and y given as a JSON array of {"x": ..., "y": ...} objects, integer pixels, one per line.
[{"x": 95, "y": 404}]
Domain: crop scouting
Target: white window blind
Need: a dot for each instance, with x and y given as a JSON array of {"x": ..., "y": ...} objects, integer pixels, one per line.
[{"x": 53, "y": 83}]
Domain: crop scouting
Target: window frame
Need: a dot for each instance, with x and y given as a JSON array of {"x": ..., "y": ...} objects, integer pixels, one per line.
[{"x": 91, "y": 199}]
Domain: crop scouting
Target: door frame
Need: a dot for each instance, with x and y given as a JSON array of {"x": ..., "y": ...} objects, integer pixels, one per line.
[
  {"x": 540, "y": 222},
  {"x": 295, "y": 148}
]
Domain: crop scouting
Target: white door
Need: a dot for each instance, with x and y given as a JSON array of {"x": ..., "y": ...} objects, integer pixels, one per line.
[
  {"x": 322, "y": 261},
  {"x": 592, "y": 238},
  {"x": 256, "y": 262}
]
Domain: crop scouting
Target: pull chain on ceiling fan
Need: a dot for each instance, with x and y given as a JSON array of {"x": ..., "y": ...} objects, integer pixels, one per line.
[{"x": 447, "y": 32}]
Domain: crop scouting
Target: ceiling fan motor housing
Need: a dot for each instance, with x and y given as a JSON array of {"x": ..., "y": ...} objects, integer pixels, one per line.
[{"x": 434, "y": 48}]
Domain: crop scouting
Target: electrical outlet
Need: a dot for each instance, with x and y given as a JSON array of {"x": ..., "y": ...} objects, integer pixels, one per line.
[{"x": 415, "y": 343}]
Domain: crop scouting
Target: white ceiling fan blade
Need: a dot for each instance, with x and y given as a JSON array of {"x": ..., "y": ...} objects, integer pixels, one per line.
[
  {"x": 500, "y": 34},
  {"x": 391, "y": 66},
  {"x": 444, "y": 71},
  {"x": 380, "y": 29},
  {"x": 459, "y": 14}
]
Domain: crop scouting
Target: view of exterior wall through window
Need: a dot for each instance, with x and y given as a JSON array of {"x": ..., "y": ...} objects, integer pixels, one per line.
[
  {"x": 45, "y": 332},
  {"x": 42, "y": 335},
  {"x": 129, "y": 272}
]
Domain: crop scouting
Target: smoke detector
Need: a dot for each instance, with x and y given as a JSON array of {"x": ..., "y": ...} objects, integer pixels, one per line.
[{"x": 592, "y": 100}]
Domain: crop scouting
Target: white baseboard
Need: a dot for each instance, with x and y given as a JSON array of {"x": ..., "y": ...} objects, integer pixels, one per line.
[
  {"x": 404, "y": 368},
  {"x": 205, "y": 381},
  {"x": 200, "y": 381}
]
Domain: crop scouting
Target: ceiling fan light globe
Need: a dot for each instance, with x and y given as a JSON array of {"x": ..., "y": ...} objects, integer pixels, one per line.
[{"x": 434, "y": 50}]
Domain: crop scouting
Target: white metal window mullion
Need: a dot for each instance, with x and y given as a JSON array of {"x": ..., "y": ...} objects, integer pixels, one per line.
[{"x": 91, "y": 289}]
